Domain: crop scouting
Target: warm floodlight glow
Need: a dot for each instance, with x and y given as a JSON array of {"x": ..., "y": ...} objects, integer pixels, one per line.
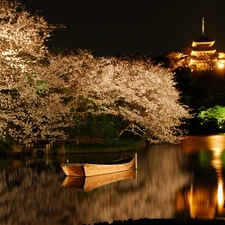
[
  {"x": 221, "y": 55},
  {"x": 191, "y": 62},
  {"x": 220, "y": 65}
]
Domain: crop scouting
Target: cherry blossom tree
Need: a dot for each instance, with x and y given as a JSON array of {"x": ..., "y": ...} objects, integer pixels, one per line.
[
  {"x": 42, "y": 93},
  {"x": 30, "y": 106},
  {"x": 141, "y": 93}
]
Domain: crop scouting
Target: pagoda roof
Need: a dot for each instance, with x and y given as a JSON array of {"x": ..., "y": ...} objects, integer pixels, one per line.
[
  {"x": 204, "y": 48},
  {"x": 204, "y": 39},
  {"x": 196, "y": 51}
]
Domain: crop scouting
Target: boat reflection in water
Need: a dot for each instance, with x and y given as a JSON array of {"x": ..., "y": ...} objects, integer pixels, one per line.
[
  {"x": 206, "y": 195},
  {"x": 92, "y": 182}
]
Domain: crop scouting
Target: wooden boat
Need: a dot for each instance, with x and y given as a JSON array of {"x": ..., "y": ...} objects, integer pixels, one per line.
[
  {"x": 88, "y": 169},
  {"x": 92, "y": 182}
]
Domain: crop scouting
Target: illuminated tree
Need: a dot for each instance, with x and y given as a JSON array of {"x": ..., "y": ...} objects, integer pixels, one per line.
[
  {"x": 177, "y": 59},
  {"x": 40, "y": 93},
  {"x": 141, "y": 93},
  {"x": 217, "y": 113},
  {"x": 30, "y": 107}
]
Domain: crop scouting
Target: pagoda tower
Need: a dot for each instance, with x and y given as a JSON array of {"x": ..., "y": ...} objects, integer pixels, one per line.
[{"x": 202, "y": 53}]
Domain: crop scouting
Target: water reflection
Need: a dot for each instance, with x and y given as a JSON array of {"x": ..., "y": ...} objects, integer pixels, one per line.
[
  {"x": 206, "y": 197},
  {"x": 172, "y": 181},
  {"x": 32, "y": 193}
]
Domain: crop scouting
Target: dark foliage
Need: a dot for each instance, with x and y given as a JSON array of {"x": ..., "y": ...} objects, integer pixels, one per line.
[{"x": 198, "y": 90}]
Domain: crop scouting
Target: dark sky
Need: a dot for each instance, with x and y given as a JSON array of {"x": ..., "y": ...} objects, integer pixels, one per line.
[{"x": 110, "y": 27}]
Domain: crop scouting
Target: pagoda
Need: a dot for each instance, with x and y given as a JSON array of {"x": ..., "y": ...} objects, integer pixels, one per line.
[{"x": 202, "y": 55}]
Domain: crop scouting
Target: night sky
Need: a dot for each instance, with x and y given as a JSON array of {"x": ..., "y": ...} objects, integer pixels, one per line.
[{"x": 111, "y": 27}]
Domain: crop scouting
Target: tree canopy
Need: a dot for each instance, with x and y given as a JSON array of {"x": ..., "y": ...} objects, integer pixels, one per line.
[{"x": 41, "y": 93}]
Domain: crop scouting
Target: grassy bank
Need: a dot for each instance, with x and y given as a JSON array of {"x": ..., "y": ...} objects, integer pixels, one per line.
[
  {"x": 98, "y": 147},
  {"x": 73, "y": 146}
]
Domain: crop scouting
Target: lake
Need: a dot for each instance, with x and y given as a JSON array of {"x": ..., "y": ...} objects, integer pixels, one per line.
[{"x": 171, "y": 181}]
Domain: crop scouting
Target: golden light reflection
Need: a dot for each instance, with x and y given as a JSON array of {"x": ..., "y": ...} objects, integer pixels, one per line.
[
  {"x": 202, "y": 203},
  {"x": 206, "y": 201},
  {"x": 220, "y": 194},
  {"x": 217, "y": 164}
]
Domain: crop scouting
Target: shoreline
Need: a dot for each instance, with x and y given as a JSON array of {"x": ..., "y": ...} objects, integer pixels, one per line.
[{"x": 146, "y": 221}]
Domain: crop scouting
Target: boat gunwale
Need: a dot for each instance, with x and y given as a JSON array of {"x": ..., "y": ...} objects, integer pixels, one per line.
[{"x": 116, "y": 162}]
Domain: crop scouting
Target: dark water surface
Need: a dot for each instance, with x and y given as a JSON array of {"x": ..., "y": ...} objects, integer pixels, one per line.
[{"x": 172, "y": 181}]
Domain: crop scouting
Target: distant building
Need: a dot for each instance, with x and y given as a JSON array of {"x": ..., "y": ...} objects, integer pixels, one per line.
[{"x": 200, "y": 56}]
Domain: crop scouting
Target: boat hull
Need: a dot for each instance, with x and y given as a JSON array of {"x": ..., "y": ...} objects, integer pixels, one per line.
[
  {"x": 86, "y": 169},
  {"x": 92, "y": 182},
  {"x": 71, "y": 169}
]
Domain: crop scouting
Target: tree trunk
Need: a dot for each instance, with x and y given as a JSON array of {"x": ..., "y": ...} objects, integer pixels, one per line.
[{"x": 124, "y": 129}]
